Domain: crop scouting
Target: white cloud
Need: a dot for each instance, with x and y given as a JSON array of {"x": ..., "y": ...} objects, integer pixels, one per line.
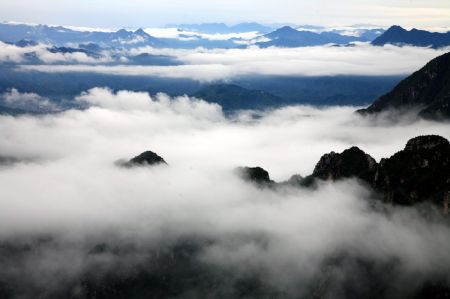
[
  {"x": 12, "y": 53},
  {"x": 142, "y": 101},
  {"x": 28, "y": 101},
  {"x": 210, "y": 65}
]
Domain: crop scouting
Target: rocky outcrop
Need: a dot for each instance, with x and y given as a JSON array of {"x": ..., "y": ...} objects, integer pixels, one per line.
[
  {"x": 147, "y": 158},
  {"x": 418, "y": 173},
  {"x": 256, "y": 175}
]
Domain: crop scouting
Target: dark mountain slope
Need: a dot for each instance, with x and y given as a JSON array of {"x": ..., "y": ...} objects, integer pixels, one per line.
[
  {"x": 427, "y": 89},
  {"x": 11, "y": 111},
  {"x": 234, "y": 97}
]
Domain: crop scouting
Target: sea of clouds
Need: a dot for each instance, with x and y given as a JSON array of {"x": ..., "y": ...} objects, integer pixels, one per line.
[{"x": 66, "y": 186}]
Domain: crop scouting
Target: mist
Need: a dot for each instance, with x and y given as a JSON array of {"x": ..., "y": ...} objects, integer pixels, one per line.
[
  {"x": 223, "y": 64},
  {"x": 66, "y": 191}
]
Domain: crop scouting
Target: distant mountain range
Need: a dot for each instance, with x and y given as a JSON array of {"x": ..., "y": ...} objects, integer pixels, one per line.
[
  {"x": 284, "y": 37},
  {"x": 427, "y": 90},
  {"x": 397, "y": 35},
  {"x": 61, "y": 36},
  {"x": 290, "y": 37}
]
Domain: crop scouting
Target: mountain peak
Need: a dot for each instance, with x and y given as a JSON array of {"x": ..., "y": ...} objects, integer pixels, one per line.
[
  {"x": 396, "y": 28},
  {"x": 286, "y": 29},
  {"x": 397, "y": 35},
  {"x": 147, "y": 158},
  {"x": 352, "y": 162},
  {"x": 426, "y": 142},
  {"x": 140, "y": 31}
]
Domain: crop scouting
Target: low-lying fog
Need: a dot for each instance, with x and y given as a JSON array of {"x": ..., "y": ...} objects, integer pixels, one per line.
[{"x": 68, "y": 187}]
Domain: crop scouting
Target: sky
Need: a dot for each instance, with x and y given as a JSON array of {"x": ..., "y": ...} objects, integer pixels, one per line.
[{"x": 144, "y": 13}]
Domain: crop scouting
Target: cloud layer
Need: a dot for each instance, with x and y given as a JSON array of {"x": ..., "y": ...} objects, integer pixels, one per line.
[
  {"x": 75, "y": 193},
  {"x": 222, "y": 64}
]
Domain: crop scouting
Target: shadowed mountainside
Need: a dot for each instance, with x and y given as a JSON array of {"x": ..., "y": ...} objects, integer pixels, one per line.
[{"x": 427, "y": 90}]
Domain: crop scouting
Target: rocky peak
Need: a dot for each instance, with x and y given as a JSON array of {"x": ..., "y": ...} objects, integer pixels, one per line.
[
  {"x": 147, "y": 158},
  {"x": 426, "y": 143},
  {"x": 352, "y": 162},
  {"x": 141, "y": 32}
]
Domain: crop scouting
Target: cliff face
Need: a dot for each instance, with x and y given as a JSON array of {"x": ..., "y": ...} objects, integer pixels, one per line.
[
  {"x": 427, "y": 90},
  {"x": 420, "y": 172}
]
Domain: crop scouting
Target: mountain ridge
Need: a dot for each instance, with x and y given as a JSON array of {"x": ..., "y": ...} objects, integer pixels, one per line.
[
  {"x": 289, "y": 37},
  {"x": 397, "y": 35}
]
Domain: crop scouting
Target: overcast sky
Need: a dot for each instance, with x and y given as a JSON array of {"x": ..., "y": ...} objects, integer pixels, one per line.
[{"x": 145, "y": 13}]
